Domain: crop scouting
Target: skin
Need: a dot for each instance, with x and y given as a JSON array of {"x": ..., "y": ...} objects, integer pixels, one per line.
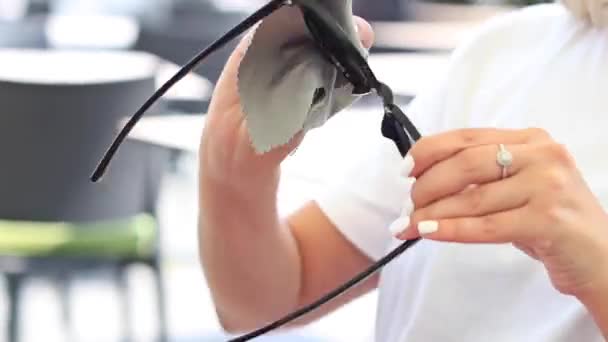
[
  {"x": 558, "y": 220},
  {"x": 258, "y": 266}
]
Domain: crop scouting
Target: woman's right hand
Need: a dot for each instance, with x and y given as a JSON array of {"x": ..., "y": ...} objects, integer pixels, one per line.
[{"x": 226, "y": 151}]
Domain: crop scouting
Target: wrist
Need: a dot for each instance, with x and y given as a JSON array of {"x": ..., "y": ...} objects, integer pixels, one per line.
[
  {"x": 247, "y": 185},
  {"x": 595, "y": 294},
  {"x": 596, "y": 303},
  {"x": 226, "y": 171}
]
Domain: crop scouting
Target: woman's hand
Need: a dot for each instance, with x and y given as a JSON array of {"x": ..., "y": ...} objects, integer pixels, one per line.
[{"x": 543, "y": 206}]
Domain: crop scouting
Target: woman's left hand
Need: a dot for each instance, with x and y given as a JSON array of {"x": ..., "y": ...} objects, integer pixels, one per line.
[{"x": 542, "y": 206}]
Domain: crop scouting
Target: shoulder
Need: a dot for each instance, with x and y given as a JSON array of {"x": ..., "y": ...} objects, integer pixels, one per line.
[
  {"x": 483, "y": 59},
  {"x": 528, "y": 15},
  {"x": 518, "y": 29}
]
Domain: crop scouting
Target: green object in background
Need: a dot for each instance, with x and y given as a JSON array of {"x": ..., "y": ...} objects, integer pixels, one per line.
[{"x": 125, "y": 238}]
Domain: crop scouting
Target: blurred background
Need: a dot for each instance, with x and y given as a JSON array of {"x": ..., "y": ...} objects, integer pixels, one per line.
[{"x": 118, "y": 260}]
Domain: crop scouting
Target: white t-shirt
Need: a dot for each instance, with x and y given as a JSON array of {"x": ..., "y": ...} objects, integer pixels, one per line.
[{"x": 537, "y": 67}]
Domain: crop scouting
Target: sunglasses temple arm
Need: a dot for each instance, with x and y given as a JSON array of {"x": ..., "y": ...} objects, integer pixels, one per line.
[{"x": 246, "y": 24}]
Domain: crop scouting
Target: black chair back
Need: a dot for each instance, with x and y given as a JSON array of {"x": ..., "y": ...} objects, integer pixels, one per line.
[
  {"x": 187, "y": 30},
  {"x": 55, "y": 126}
]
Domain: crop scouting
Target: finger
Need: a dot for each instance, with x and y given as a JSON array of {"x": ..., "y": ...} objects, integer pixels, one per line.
[
  {"x": 476, "y": 165},
  {"x": 481, "y": 200},
  {"x": 502, "y": 227},
  {"x": 366, "y": 33},
  {"x": 433, "y": 149},
  {"x": 228, "y": 78}
]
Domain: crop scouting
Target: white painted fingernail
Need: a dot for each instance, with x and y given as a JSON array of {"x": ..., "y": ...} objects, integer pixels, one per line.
[
  {"x": 408, "y": 207},
  {"x": 428, "y": 227},
  {"x": 407, "y": 165},
  {"x": 411, "y": 181},
  {"x": 399, "y": 225},
  {"x": 408, "y": 182}
]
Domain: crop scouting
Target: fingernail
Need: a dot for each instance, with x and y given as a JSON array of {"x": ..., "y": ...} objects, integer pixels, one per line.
[
  {"x": 408, "y": 207},
  {"x": 407, "y": 184},
  {"x": 407, "y": 166},
  {"x": 399, "y": 225},
  {"x": 410, "y": 181},
  {"x": 428, "y": 227}
]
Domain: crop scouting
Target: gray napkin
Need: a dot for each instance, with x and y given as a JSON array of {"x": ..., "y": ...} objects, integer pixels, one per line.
[{"x": 285, "y": 84}]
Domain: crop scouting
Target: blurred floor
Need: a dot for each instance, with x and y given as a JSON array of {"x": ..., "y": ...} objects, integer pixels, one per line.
[{"x": 190, "y": 312}]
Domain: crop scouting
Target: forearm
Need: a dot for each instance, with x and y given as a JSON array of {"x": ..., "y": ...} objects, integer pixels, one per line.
[
  {"x": 598, "y": 308},
  {"x": 250, "y": 259},
  {"x": 596, "y": 303},
  {"x": 600, "y": 314}
]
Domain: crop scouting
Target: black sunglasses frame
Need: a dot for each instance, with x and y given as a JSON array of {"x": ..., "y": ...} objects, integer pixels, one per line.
[{"x": 335, "y": 46}]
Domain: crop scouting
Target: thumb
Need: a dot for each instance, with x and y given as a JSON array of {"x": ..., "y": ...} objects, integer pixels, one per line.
[{"x": 366, "y": 33}]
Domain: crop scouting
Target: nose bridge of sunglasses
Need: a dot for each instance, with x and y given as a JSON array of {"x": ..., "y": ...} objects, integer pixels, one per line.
[{"x": 337, "y": 48}]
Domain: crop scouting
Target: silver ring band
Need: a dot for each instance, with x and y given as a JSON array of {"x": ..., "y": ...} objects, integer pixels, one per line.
[{"x": 504, "y": 159}]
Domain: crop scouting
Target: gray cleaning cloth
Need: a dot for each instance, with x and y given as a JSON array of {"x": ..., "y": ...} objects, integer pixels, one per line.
[{"x": 285, "y": 84}]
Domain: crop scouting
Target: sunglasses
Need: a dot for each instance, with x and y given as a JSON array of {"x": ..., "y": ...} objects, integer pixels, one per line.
[{"x": 334, "y": 45}]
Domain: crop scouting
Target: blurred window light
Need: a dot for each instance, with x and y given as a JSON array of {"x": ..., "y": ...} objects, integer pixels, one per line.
[
  {"x": 238, "y": 5},
  {"x": 92, "y": 31},
  {"x": 192, "y": 86},
  {"x": 13, "y": 9},
  {"x": 75, "y": 67},
  {"x": 114, "y": 7}
]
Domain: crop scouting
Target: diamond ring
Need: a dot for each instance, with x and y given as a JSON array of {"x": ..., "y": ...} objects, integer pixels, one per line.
[{"x": 504, "y": 158}]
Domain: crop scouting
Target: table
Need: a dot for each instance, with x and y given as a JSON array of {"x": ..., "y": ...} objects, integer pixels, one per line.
[
  {"x": 178, "y": 132},
  {"x": 64, "y": 66},
  {"x": 192, "y": 87},
  {"x": 117, "y": 32}
]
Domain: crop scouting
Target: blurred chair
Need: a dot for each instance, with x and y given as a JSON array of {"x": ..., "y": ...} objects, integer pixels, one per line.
[
  {"x": 117, "y": 32},
  {"x": 189, "y": 28},
  {"x": 381, "y": 10},
  {"x": 27, "y": 32},
  {"x": 60, "y": 110},
  {"x": 38, "y": 6}
]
